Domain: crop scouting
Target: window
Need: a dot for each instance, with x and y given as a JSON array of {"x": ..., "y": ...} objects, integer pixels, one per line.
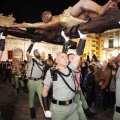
[
  {"x": 93, "y": 40},
  {"x": 110, "y": 43},
  {"x": 93, "y": 45}
]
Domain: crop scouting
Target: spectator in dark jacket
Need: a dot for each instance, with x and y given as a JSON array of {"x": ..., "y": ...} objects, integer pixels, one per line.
[
  {"x": 94, "y": 57},
  {"x": 99, "y": 96},
  {"x": 7, "y": 73},
  {"x": 103, "y": 74},
  {"x": 84, "y": 67},
  {"x": 88, "y": 85},
  {"x": 112, "y": 88}
]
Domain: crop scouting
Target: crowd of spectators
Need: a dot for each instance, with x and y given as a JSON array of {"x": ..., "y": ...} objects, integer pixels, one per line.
[{"x": 97, "y": 79}]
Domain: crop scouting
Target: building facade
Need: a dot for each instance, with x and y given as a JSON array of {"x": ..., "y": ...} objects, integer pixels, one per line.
[
  {"x": 111, "y": 43},
  {"x": 15, "y": 48},
  {"x": 94, "y": 43}
]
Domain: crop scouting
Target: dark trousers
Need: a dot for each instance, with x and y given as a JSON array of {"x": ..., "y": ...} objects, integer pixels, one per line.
[
  {"x": 88, "y": 96},
  {"x": 7, "y": 76},
  {"x": 99, "y": 97},
  {"x": 106, "y": 101},
  {"x": 112, "y": 99}
]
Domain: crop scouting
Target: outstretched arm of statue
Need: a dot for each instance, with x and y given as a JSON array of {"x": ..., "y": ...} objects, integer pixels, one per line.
[
  {"x": 22, "y": 25},
  {"x": 30, "y": 25},
  {"x": 42, "y": 25}
]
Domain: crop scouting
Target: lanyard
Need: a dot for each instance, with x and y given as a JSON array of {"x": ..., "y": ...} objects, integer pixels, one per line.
[
  {"x": 75, "y": 77},
  {"x": 77, "y": 81}
]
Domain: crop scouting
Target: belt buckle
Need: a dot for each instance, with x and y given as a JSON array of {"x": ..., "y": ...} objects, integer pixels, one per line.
[
  {"x": 36, "y": 79},
  {"x": 67, "y": 102}
]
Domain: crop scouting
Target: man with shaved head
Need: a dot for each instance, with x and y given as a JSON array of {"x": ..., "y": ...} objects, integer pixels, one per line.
[{"x": 64, "y": 86}]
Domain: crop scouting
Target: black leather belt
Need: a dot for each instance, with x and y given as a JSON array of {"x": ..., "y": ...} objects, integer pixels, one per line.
[
  {"x": 68, "y": 102},
  {"x": 36, "y": 79},
  {"x": 117, "y": 109}
]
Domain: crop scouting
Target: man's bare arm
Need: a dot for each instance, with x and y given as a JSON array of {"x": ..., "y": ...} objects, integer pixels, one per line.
[
  {"x": 45, "y": 90},
  {"x": 76, "y": 61},
  {"x": 28, "y": 56},
  {"x": 80, "y": 47},
  {"x": 79, "y": 50}
]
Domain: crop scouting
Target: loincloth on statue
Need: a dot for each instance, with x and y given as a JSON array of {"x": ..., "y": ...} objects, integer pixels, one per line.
[{"x": 67, "y": 20}]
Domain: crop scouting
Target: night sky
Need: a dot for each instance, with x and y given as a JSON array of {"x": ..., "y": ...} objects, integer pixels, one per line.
[{"x": 31, "y": 10}]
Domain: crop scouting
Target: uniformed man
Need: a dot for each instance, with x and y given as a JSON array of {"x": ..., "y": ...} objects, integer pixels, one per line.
[
  {"x": 79, "y": 98},
  {"x": 13, "y": 72},
  {"x": 79, "y": 94},
  {"x": 64, "y": 87},
  {"x": 35, "y": 81},
  {"x": 18, "y": 80},
  {"x": 16, "y": 77},
  {"x": 117, "y": 105}
]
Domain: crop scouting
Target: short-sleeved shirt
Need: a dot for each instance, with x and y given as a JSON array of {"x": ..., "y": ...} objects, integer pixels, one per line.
[
  {"x": 36, "y": 72},
  {"x": 60, "y": 89},
  {"x": 118, "y": 88}
]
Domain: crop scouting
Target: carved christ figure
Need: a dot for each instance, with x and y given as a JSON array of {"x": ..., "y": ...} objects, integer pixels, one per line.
[{"x": 80, "y": 13}]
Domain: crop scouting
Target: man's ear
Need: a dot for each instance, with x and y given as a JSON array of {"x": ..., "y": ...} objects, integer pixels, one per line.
[{"x": 56, "y": 60}]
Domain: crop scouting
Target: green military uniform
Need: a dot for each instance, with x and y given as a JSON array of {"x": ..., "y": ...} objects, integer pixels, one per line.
[
  {"x": 60, "y": 108},
  {"x": 81, "y": 113},
  {"x": 83, "y": 100},
  {"x": 80, "y": 100},
  {"x": 35, "y": 82},
  {"x": 13, "y": 80},
  {"x": 18, "y": 81},
  {"x": 13, "y": 76}
]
